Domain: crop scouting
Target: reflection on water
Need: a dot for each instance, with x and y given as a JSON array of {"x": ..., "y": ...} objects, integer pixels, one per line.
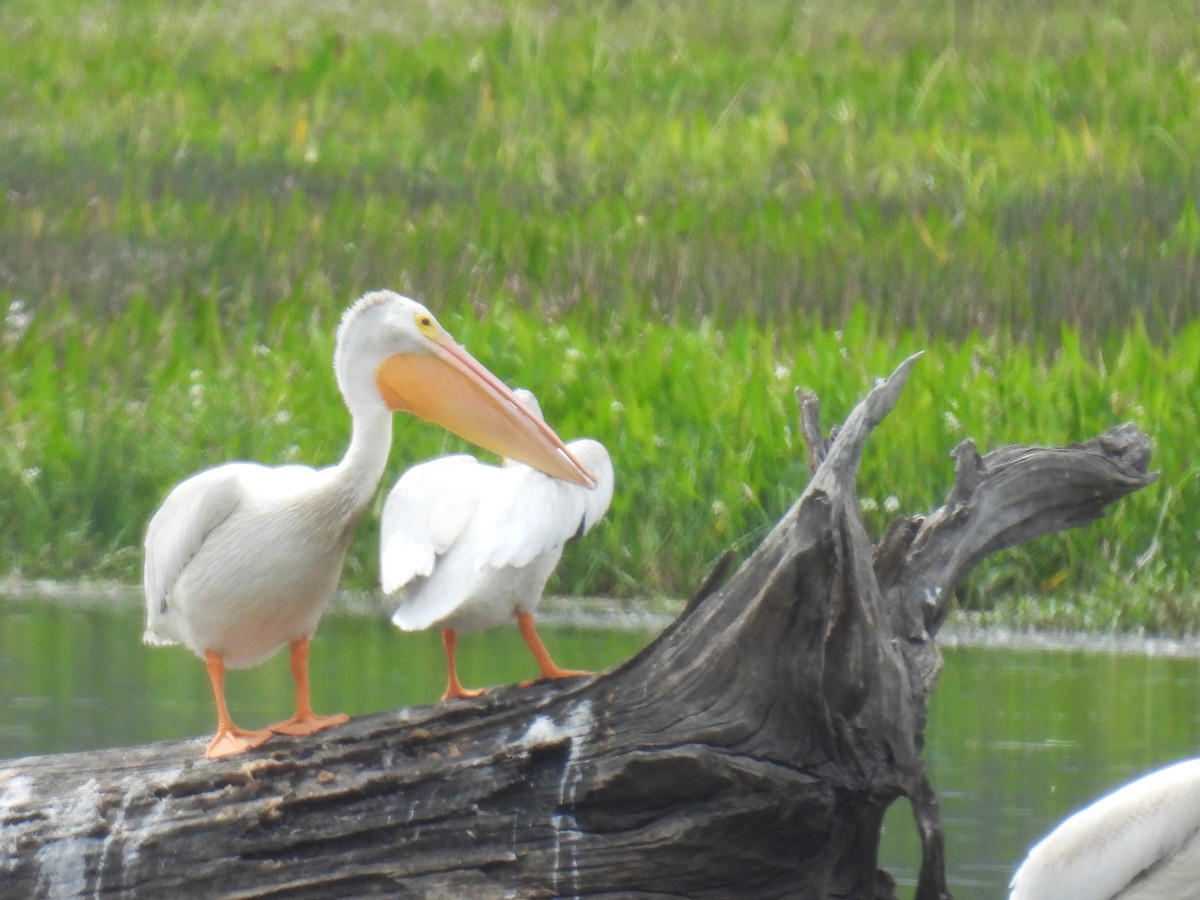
[
  {"x": 77, "y": 677},
  {"x": 1017, "y": 739}
]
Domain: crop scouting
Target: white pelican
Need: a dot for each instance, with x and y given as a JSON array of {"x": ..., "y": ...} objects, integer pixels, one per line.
[
  {"x": 1140, "y": 841},
  {"x": 241, "y": 558},
  {"x": 481, "y": 555}
]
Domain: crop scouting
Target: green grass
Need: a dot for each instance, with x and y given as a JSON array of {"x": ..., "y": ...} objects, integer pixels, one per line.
[{"x": 662, "y": 217}]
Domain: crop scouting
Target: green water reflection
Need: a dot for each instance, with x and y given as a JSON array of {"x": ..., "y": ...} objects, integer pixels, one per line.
[
  {"x": 1016, "y": 740},
  {"x": 79, "y": 678}
]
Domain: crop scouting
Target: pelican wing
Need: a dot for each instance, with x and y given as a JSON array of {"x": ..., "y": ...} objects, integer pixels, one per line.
[
  {"x": 425, "y": 513},
  {"x": 1125, "y": 838},
  {"x": 175, "y": 534},
  {"x": 535, "y": 514}
]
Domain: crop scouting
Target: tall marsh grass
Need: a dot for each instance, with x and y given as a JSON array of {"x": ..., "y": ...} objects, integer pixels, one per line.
[{"x": 662, "y": 217}]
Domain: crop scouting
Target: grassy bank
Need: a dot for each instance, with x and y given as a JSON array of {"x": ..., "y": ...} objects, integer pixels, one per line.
[{"x": 660, "y": 217}]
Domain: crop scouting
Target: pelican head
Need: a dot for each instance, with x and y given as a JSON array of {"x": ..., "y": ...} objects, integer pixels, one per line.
[{"x": 411, "y": 364}]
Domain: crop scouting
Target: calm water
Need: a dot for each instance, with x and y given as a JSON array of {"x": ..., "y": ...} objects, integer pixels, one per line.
[{"x": 1017, "y": 738}]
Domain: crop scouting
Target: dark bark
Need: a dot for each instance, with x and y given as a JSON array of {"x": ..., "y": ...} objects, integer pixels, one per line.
[{"x": 750, "y": 751}]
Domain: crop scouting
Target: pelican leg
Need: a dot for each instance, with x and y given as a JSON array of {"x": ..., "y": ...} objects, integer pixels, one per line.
[
  {"x": 229, "y": 739},
  {"x": 304, "y": 720},
  {"x": 454, "y": 687},
  {"x": 549, "y": 668}
]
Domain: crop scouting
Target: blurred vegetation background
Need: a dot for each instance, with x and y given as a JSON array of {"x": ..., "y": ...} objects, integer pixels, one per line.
[{"x": 662, "y": 217}]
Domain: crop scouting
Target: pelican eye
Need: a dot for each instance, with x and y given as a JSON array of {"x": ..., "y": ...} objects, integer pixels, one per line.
[{"x": 426, "y": 324}]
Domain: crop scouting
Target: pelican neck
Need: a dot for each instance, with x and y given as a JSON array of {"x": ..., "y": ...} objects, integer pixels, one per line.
[{"x": 366, "y": 457}]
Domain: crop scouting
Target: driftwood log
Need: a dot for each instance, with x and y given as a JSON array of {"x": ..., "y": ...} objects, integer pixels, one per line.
[{"x": 750, "y": 751}]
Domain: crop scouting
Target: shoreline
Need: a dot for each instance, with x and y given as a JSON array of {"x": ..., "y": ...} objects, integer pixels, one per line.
[{"x": 650, "y": 615}]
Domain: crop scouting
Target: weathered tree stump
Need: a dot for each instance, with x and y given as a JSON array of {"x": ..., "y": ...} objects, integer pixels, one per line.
[{"x": 750, "y": 751}]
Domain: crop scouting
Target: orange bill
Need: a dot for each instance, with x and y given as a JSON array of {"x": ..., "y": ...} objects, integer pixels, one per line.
[{"x": 451, "y": 388}]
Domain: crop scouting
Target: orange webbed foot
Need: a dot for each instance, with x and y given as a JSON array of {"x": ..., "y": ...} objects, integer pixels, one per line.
[
  {"x": 458, "y": 692},
  {"x": 309, "y": 723},
  {"x": 454, "y": 688},
  {"x": 304, "y": 721},
  {"x": 232, "y": 740},
  {"x": 566, "y": 673},
  {"x": 550, "y": 669}
]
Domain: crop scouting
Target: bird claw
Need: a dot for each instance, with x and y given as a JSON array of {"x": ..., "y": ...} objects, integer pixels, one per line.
[
  {"x": 309, "y": 724},
  {"x": 232, "y": 741},
  {"x": 462, "y": 693}
]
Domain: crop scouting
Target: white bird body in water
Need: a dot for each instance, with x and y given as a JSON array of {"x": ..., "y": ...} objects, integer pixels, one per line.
[
  {"x": 480, "y": 557},
  {"x": 242, "y": 558},
  {"x": 1140, "y": 842}
]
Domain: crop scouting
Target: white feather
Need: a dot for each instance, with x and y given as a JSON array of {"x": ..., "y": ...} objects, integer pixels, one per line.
[
  {"x": 175, "y": 534},
  {"x": 242, "y": 557},
  {"x": 1142, "y": 840},
  {"x": 494, "y": 534},
  {"x": 425, "y": 513}
]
